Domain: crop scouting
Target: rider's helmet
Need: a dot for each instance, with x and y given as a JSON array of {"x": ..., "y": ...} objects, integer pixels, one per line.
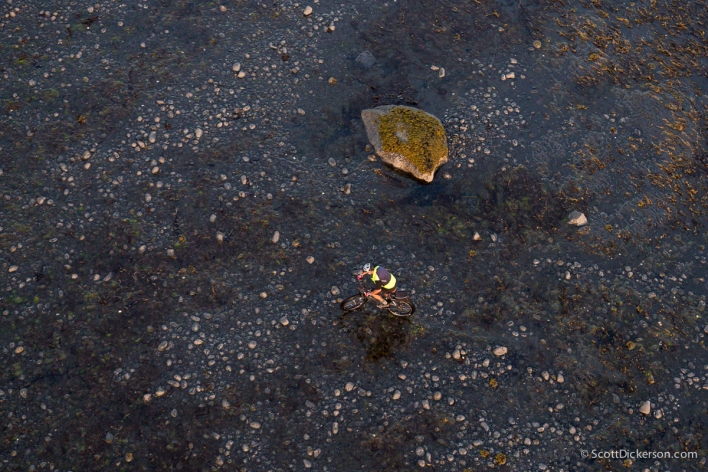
[{"x": 367, "y": 267}]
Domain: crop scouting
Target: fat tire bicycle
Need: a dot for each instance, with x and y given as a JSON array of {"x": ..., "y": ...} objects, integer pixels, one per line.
[{"x": 398, "y": 303}]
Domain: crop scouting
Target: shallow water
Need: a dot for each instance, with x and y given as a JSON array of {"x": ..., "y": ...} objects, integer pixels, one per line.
[{"x": 150, "y": 322}]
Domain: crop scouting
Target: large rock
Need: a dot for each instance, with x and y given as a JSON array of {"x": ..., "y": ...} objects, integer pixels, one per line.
[{"x": 407, "y": 138}]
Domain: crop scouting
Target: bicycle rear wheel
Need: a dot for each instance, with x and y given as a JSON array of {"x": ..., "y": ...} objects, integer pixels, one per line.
[
  {"x": 400, "y": 308},
  {"x": 353, "y": 303}
]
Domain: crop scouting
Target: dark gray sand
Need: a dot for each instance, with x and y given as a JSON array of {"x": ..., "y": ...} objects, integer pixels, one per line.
[{"x": 187, "y": 193}]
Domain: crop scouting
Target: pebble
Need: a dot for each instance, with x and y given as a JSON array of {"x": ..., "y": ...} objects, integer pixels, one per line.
[
  {"x": 577, "y": 218},
  {"x": 307, "y": 11},
  {"x": 307, "y": 463},
  {"x": 198, "y": 133},
  {"x": 173, "y": 413},
  {"x": 109, "y": 438},
  {"x": 500, "y": 351},
  {"x": 159, "y": 392},
  {"x": 275, "y": 238},
  {"x": 335, "y": 428},
  {"x": 560, "y": 379},
  {"x": 263, "y": 295},
  {"x": 537, "y": 44},
  {"x": 284, "y": 321},
  {"x": 335, "y": 291},
  {"x": 19, "y": 349},
  {"x": 170, "y": 253},
  {"x": 129, "y": 457},
  {"x": 236, "y": 67},
  {"x": 23, "y": 393},
  {"x": 332, "y": 162},
  {"x": 437, "y": 396},
  {"x": 349, "y": 386},
  {"x": 252, "y": 345},
  {"x": 396, "y": 395},
  {"x": 476, "y": 236},
  {"x": 12, "y": 269},
  {"x": 255, "y": 425},
  {"x": 645, "y": 409},
  {"x": 310, "y": 259}
]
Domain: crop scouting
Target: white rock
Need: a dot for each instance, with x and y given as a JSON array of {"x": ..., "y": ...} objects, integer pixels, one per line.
[
  {"x": 255, "y": 425},
  {"x": 456, "y": 354},
  {"x": 510, "y": 75},
  {"x": 645, "y": 409},
  {"x": 263, "y": 295},
  {"x": 198, "y": 133},
  {"x": 23, "y": 393},
  {"x": 560, "y": 379},
  {"x": 335, "y": 290},
  {"x": 396, "y": 395},
  {"x": 476, "y": 236},
  {"x": 349, "y": 386},
  {"x": 578, "y": 219},
  {"x": 19, "y": 349},
  {"x": 220, "y": 236},
  {"x": 159, "y": 392},
  {"x": 335, "y": 428},
  {"x": 12, "y": 269},
  {"x": 236, "y": 67},
  {"x": 147, "y": 397},
  {"x": 284, "y": 321},
  {"x": 252, "y": 345},
  {"x": 195, "y": 327},
  {"x": 308, "y": 11},
  {"x": 198, "y": 342},
  {"x": 500, "y": 351},
  {"x": 441, "y": 73},
  {"x": 307, "y": 463},
  {"x": 170, "y": 253},
  {"x": 310, "y": 259},
  {"x": 152, "y": 137},
  {"x": 437, "y": 396},
  {"x": 276, "y": 237},
  {"x": 162, "y": 346},
  {"x": 225, "y": 404}
]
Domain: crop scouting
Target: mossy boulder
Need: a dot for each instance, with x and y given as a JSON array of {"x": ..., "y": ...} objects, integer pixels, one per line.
[{"x": 407, "y": 138}]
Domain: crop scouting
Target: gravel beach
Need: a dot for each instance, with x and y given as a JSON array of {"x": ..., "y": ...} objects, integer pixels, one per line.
[{"x": 187, "y": 194}]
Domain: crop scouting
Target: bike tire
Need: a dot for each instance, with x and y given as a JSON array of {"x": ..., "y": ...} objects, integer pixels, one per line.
[
  {"x": 401, "y": 309},
  {"x": 353, "y": 303}
]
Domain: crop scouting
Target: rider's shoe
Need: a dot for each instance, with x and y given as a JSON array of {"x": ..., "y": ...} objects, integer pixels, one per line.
[{"x": 382, "y": 305}]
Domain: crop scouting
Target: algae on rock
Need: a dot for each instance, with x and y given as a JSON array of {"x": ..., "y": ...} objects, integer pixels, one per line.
[{"x": 407, "y": 138}]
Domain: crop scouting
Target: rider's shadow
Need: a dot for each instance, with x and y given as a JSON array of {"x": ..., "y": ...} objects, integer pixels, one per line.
[{"x": 381, "y": 336}]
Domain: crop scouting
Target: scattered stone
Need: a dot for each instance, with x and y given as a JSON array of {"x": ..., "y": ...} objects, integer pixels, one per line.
[
  {"x": 560, "y": 379},
  {"x": 255, "y": 425},
  {"x": 263, "y": 294},
  {"x": 645, "y": 409},
  {"x": 349, "y": 386},
  {"x": 335, "y": 291},
  {"x": 500, "y": 351},
  {"x": 537, "y": 44},
  {"x": 284, "y": 321},
  {"x": 476, "y": 236},
  {"x": 109, "y": 438},
  {"x": 310, "y": 259},
  {"x": 307, "y": 11},
  {"x": 396, "y": 395},
  {"x": 578, "y": 219},
  {"x": 365, "y": 59},
  {"x": 275, "y": 238},
  {"x": 12, "y": 269},
  {"x": 407, "y": 138}
]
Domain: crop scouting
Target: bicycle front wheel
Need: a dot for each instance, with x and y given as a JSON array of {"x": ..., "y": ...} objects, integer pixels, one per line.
[
  {"x": 353, "y": 303},
  {"x": 402, "y": 309}
]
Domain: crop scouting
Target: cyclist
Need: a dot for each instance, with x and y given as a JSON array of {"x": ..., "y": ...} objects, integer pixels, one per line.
[{"x": 384, "y": 280}]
